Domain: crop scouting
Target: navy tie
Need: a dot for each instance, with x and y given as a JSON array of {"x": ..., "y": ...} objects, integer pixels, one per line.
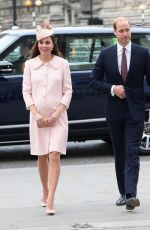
[{"x": 124, "y": 69}]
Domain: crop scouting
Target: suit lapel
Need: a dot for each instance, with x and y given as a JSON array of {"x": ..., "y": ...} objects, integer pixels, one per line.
[
  {"x": 131, "y": 60},
  {"x": 114, "y": 53},
  {"x": 115, "y": 58}
]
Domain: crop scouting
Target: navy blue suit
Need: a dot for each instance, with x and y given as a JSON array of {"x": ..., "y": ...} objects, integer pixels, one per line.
[{"x": 125, "y": 116}]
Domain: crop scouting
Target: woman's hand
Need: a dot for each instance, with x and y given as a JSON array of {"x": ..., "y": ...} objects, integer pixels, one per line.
[
  {"x": 53, "y": 118},
  {"x": 42, "y": 122}
]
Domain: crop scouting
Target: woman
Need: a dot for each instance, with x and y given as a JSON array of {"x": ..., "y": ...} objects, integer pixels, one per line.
[{"x": 47, "y": 92}]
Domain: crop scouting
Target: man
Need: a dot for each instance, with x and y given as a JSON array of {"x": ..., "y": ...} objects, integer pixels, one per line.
[
  {"x": 25, "y": 49},
  {"x": 119, "y": 71}
]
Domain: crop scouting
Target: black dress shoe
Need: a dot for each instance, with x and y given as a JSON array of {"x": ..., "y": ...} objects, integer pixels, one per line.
[
  {"x": 131, "y": 203},
  {"x": 121, "y": 201}
]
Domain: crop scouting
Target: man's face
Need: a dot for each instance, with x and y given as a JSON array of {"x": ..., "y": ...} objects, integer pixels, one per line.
[
  {"x": 24, "y": 50},
  {"x": 123, "y": 32}
]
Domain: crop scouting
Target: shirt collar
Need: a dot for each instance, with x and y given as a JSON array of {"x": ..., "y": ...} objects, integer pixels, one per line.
[
  {"x": 55, "y": 62},
  {"x": 128, "y": 47}
]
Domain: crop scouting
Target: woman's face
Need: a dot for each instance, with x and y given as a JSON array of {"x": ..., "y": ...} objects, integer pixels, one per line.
[{"x": 45, "y": 46}]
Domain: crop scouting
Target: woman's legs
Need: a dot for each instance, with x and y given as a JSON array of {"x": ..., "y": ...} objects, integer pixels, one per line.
[
  {"x": 43, "y": 171},
  {"x": 53, "y": 177}
]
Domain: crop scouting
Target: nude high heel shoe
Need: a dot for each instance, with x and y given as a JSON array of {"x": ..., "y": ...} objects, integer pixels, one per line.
[
  {"x": 50, "y": 212},
  {"x": 43, "y": 204}
]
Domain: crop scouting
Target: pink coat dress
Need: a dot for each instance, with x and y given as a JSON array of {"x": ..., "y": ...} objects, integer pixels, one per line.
[{"x": 46, "y": 85}]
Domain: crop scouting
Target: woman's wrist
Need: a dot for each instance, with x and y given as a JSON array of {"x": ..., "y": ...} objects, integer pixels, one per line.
[
  {"x": 61, "y": 108},
  {"x": 37, "y": 116},
  {"x": 35, "y": 113}
]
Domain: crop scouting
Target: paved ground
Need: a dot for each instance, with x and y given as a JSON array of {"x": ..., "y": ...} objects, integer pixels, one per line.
[{"x": 84, "y": 200}]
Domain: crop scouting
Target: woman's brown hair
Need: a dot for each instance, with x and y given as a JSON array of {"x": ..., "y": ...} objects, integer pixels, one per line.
[{"x": 35, "y": 50}]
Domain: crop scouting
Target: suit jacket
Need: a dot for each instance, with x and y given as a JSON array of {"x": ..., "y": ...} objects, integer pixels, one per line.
[{"x": 106, "y": 73}]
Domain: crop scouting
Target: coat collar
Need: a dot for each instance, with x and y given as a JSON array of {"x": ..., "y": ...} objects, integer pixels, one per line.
[{"x": 55, "y": 62}]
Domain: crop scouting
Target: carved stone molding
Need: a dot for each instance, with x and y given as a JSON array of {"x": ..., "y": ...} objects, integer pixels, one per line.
[{"x": 68, "y": 12}]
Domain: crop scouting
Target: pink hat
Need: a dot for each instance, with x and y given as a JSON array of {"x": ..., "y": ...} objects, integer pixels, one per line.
[{"x": 43, "y": 32}]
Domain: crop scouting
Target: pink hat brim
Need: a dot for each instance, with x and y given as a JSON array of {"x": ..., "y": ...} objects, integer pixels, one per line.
[{"x": 43, "y": 33}]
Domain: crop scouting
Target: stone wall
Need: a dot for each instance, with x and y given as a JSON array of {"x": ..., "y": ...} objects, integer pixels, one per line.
[
  {"x": 69, "y": 12},
  {"x": 127, "y": 8}
]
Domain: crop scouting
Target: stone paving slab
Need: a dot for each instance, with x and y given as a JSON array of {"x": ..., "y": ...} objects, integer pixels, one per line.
[{"x": 85, "y": 199}]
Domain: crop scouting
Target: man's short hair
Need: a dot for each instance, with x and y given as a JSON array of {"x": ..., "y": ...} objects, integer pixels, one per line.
[{"x": 119, "y": 19}]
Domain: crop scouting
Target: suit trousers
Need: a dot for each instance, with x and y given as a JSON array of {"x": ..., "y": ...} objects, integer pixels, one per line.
[{"x": 126, "y": 135}]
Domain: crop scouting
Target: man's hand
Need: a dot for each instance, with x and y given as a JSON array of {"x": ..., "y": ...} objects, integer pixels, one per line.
[{"x": 119, "y": 91}]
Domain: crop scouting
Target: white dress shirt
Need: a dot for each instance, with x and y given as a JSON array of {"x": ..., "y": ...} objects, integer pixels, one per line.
[{"x": 119, "y": 56}]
